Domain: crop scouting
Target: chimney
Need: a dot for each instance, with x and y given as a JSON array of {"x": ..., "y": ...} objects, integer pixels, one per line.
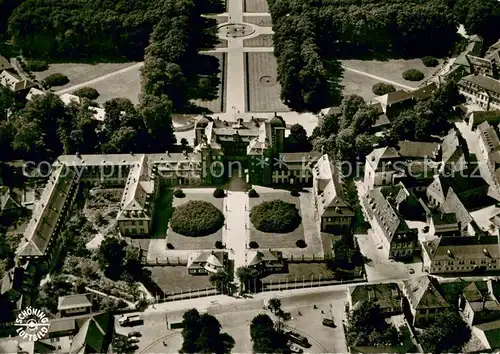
[
  {"x": 166, "y": 152},
  {"x": 78, "y": 155}
]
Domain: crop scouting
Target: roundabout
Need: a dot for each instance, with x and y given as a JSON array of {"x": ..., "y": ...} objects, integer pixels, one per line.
[{"x": 236, "y": 30}]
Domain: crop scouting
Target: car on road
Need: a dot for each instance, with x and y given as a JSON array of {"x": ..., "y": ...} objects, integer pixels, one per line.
[
  {"x": 296, "y": 349},
  {"x": 298, "y": 339},
  {"x": 328, "y": 322},
  {"x": 133, "y": 340},
  {"x": 135, "y": 334}
]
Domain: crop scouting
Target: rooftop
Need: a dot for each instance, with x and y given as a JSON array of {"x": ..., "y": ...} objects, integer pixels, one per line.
[
  {"x": 73, "y": 301},
  {"x": 386, "y": 295},
  {"x": 423, "y": 293},
  {"x": 484, "y": 82}
]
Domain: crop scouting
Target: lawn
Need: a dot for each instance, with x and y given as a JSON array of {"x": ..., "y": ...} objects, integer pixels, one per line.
[
  {"x": 263, "y": 40},
  {"x": 271, "y": 240},
  {"x": 262, "y": 21},
  {"x": 79, "y": 73},
  {"x": 255, "y": 6},
  {"x": 299, "y": 271},
  {"x": 181, "y": 242},
  {"x": 357, "y": 84},
  {"x": 391, "y": 69},
  {"x": 263, "y": 89},
  {"x": 218, "y": 105},
  {"x": 177, "y": 279}
]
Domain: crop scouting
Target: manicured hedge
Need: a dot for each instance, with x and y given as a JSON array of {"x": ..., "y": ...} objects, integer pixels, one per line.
[
  {"x": 179, "y": 193},
  {"x": 382, "y": 88},
  {"x": 301, "y": 244},
  {"x": 56, "y": 79},
  {"x": 275, "y": 216},
  {"x": 37, "y": 65},
  {"x": 219, "y": 193},
  {"x": 252, "y": 193},
  {"x": 295, "y": 192},
  {"x": 413, "y": 75},
  {"x": 196, "y": 218},
  {"x": 430, "y": 62},
  {"x": 87, "y": 92}
]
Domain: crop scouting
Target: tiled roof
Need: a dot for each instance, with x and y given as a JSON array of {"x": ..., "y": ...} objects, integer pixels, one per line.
[
  {"x": 393, "y": 97},
  {"x": 92, "y": 335},
  {"x": 386, "y": 295},
  {"x": 8, "y": 201},
  {"x": 423, "y": 293},
  {"x": 47, "y": 211},
  {"x": 198, "y": 259},
  {"x": 73, "y": 301},
  {"x": 477, "y": 117},
  {"x": 464, "y": 248},
  {"x": 425, "y": 92},
  {"x": 68, "y": 98},
  {"x": 4, "y": 64},
  {"x": 264, "y": 255},
  {"x": 452, "y": 204},
  {"x": 34, "y": 92},
  {"x": 450, "y": 148},
  {"x": 492, "y": 332},
  {"x": 14, "y": 82},
  {"x": 418, "y": 149},
  {"x": 485, "y": 82}
]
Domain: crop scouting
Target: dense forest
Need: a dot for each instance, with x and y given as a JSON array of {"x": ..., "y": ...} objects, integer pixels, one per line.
[{"x": 311, "y": 34}]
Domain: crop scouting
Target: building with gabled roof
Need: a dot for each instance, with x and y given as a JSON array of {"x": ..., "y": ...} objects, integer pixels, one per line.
[
  {"x": 4, "y": 63},
  {"x": 206, "y": 262},
  {"x": 477, "y": 117},
  {"x": 394, "y": 102},
  {"x": 14, "y": 82},
  {"x": 386, "y": 295},
  {"x": 424, "y": 298},
  {"x": 335, "y": 213},
  {"x": 489, "y": 146},
  {"x": 481, "y": 90},
  {"x": 461, "y": 255},
  {"x": 72, "y": 305},
  {"x": 266, "y": 261},
  {"x": 388, "y": 229},
  {"x": 33, "y": 92},
  {"x": 49, "y": 214},
  {"x": 489, "y": 334},
  {"x": 453, "y": 157},
  {"x": 8, "y": 201},
  {"x": 477, "y": 304}
]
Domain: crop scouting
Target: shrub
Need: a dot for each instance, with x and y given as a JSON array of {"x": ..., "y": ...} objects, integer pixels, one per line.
[
  {"x": 301, "y": 244},
  {"x": 196, "y": 218},
  {"x": 87, "y": 92},
  {"x": 252, "y": 193},
  {"x": 55, "y": 80},
  {"x": 275, "y": 216},
  {"x": 219, "y": 245},
  {"x": 430, "y": 62},
  {"x": 413, "y": 75},
  {"x": 37, "y": 65},
  {"x": 170, "y": 246},
  {"x": 295, "y": 192},
  {"x": 382, "y": 88},
  {"x": 253, "y": 244},
  {"x": 219, "y": 193},
  {"x": 179, "y": 193}
]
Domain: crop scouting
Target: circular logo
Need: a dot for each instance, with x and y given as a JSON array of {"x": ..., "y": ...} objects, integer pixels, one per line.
[{"x": 33, "y": 324}]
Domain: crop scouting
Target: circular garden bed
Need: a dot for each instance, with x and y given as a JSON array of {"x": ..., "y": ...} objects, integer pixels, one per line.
[
  {"x": 196, "y": 218},
  {"x": 275, "y": 216}
]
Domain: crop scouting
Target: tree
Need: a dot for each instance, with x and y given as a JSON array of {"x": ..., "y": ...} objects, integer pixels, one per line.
[
  {"x": 247, "y": 277},
  {"x": 56, "y": 79},
  {"x": 447, "y": 333},
  {"x": 349, "y": 106},
  {"x": 274, "y": 305},
  {"x": 382, "y": 88},
  {"x": 220, "y": 280},
  {"x": 298, "y": 141},
  {"x": 367, "y": 327},
  {"x": 184, "y": 143},
  {"x": 156, "y": 111},
  {"x": 111, "y": 257},
  {"x": 87, "y": 92},
  {"x": 201, "y": 334},
  {"x": 265, "y": 338}
]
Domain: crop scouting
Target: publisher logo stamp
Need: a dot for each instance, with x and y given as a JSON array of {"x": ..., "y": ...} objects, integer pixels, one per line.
[{"x": 33, "y": 324}]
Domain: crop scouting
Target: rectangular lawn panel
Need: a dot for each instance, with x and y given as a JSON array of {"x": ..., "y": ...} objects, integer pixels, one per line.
[
  {"x": 218, "y": 105},
  {"x": 274, "y": 240},
  {"x": 299, "y": 271},
  {"x": 181, "y": 242},
  {"x": 177, "y": 279},
  {"x": 262, "y": 21},
  {"x": 255, "y": 6},
  {"x": 263, "y": 89},
  {"x": 122, "y": 85},
  {"x": 263, "y": 40}
]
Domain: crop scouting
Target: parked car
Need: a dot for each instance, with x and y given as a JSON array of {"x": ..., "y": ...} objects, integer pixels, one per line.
[
  {"x": 296, "y": 349},
  {"x": 135, "y": 334},
  {"x": 298, "y": 339},
  {"x": 328, "y": 322},
  {"x": 133, "y": 340}
]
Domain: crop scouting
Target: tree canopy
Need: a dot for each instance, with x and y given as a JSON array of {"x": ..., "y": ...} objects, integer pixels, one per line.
[
  {"x": 447, "y": 333},
  {"x": 265, "y": 337}
]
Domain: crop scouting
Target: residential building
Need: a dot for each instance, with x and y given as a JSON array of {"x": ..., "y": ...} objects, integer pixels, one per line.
[
  {"x": 68, "y": 98},
  {"x": 266, "y": 261},
  {"x": 33, "y": 92},
  {"x": 387, "y": 296},
  {"x": 394, "y": 102},
  {"x": 489, "y": 334},
  {"x": 9, "y": 201},
  {"x": 14, "y": 82},
  {"x": 461, "y": 255},
  {"x": 405, "y": 202},
  {"x": 386, "y": 165},
  {"x": 73, "y": 305},
  {"x": 453, "y": 153},
  {"x": 206, "y": 262},
  {"x": 489, "y": 146},
  {"x": 443, "y": 224},
  {"x": 334, "y": 212},
  {"x": 4, "y": 64},
  {"x": 424, "y": 299},
  {"x": 481, "y": 90},
  {"x": 477, "y": 117},
  {"x": 477, "y": 304},
  {"x": 388, "y": 229}
]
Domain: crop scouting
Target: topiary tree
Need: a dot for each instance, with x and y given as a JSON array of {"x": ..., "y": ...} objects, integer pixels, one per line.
[
  {"x": 219, "y": 245},
  {"x": 36, "y": 65},
  {"x": 301, "y": 244},
  {"x": 295, "y": 192},
  {"x": 413, "y": 75},
  {"x": 252, "y": 193},
  {"x": 430, "y": 62},
  {"x": 253, "y": 244},
  {"x": 219, "y": 193},
  {"x": 196, "y": 218},
  {"x": 56, "y": 79},
  {"x": 382, "y": 88},
  {"x": 87, "y": 92},
  {"x": 275, "y": 216},
  {"x": 179, "y": 193}
]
